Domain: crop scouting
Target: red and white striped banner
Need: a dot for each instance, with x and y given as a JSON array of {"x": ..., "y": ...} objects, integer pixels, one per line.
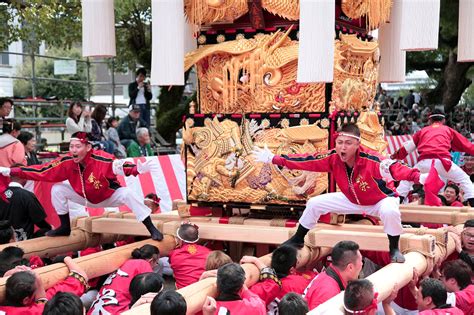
[
  {"x": 167, "y": 179},
  {"x": 395, "y": 143}
]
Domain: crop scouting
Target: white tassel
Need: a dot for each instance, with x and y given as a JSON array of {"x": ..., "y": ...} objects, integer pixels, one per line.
[
  {"x": 465, "y": 31},
  {"x": 167, "y": 49},
  {"x": 419, "y": 24},
  {"x": 316, "y": 41},
  {"x": 392, "y": 59},
  {"x": 98, "y": 28}
]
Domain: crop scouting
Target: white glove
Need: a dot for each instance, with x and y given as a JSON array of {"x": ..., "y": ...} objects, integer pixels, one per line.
[
  {"x": 262, "y": 155},
  {"x": 144, "y": 167},
  {"x": 5, "y": 171}
]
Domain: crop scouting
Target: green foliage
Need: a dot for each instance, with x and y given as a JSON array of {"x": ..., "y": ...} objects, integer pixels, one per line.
[{"x": 44, "y": 68}]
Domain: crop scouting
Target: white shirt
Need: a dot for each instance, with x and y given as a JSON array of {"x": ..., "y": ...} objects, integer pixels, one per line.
[{"x": 141, "y": 96}]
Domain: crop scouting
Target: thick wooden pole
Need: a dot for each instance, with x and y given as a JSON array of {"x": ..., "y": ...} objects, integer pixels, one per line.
[{"x": 95, "y": 265}]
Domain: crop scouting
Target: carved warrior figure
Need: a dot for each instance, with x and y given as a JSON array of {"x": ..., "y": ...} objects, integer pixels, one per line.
[
  {"x": 219, "y": 166},
  {"x": 259, "y": 75}
]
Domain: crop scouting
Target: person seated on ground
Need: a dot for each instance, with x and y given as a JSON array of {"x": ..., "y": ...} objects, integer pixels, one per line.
[
  {"x": 431, "y": 297},
  {"x": 23, "y": 210},
  {"x": 292, "y": 304},
  {"x": 97, "y": 135},
  {"x": 233, "y": 296},
  {"x": 6, "y": 232},
  {"x": 25, "y": 293},
  {"x": 168, "y": 303},
  {"x": 188, "y": 259},
  {"x": 281, "y": 278},
  {"x": 457, "y": 278},
  {"x": 143, "y": 287},
  {"x": 451, "y": 194},
  {"x": 29, "y": 142},
  {"x": 64, "y": 303},
  {"x": 142, "y": 147},
  {"x": 152, "y": 201},
  {"x": 346, "y": 265},
  {"x": 127, "y": 129},
  {"x": 12, "y": 150},
  {"x": 78, "y": 119},
  {"x": 360, "y": 298},
  {"x": 111, "y": 134},
  {"x": 114, "y": 296}
]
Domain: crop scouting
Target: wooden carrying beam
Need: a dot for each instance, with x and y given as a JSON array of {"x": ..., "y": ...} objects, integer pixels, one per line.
[{"x": 96, "y": 264}]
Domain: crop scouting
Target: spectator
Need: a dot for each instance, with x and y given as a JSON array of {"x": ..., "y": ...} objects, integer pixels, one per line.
[
  {"x": 140, "y": 94},
  {"x": 127, "y": 128},
  {"x": 111, "y": 134},
  {"x": 451, "y": 193},
  {"x": 64, "y": 303},
  {"x": 78, "y": 120},
  {"x": 6, "y": 106},
  {"x": 410, "y": 100},
  {"x": 114, "y": 297},
  {"x": 142, "y": 147},
  {"x": 346, "y": 265},
  {"x": 232, "y": 293},
  {"x": 29, "y": 142},
  {"x": 152, "y": 201},
  {"x": 168, "y": 303},
  {"x": 25, "y": 293},
  {"x": 6, "y": 232},
  {"x": 292, "y": 304},
  {"x": 97, "y": 136},
  {"x": 431, "y": 297},
  {"x": 12, "y": 150},
  {"x": 145, "y": 283},
  {"x": 188, "y": 259},
  {"x": 23, "y": 210}
]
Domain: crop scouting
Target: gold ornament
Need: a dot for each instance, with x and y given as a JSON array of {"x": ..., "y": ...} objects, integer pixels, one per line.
[
  {"x": 375, "y": 11},
  {"x": 200, "y": 12}
]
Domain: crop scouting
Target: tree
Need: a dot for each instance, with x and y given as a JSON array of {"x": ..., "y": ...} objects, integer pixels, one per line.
[
  {"x": 452, "y": 77},
  {"x": 44, "y": 68}
]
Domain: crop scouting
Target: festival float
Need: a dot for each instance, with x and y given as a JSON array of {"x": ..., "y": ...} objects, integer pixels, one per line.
[{"x": 283, "y": 74}]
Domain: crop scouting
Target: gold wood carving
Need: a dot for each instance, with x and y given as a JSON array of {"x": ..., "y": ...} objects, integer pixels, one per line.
[
  {"x": 376, "y": 11},
  {"x": 371, "y": 131},
  {"x": 288, "y": 9},
  {"x": 200, "y": 12},
  {"x": 253, "y": 75},
  {"x": 220, "y": 167},
  {"x": 355, "y": 73}
]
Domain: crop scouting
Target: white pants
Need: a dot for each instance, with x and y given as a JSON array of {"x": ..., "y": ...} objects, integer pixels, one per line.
[
  {"x": 455, "y": 174},
  {"x": 61, "y": 193},
  {"x": 386, "y": 209}
]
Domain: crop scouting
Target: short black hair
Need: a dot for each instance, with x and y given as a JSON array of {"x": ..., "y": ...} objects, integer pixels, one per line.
[
  {"x": 469, "y": 223},
  {"x": 350, "y": 128},
  {"x": 188, "y": 232},
  {"x": 64, "y": 303},
  {"x": 453, "y": 186},
  {"x": 283, "y": 259},
  {"x": 344, "y": 253},
  {"x": 4, "y": 100},
  {"x": 144, "y": 283},
  {"x": 459, "y": 271},
  {"x": 358, "y": 294},
  {"x": 230, "y": 278},
  {"x": 145, "y": 252},
  {"x": 435, "y": 289},
  {"x": 168, "y": 303},
  {"x": 14, "y": 251},
  {"x": 140, "y": 71},
  {"x": 25, "y": 136},
  {"x": 19, "y": 286},
  {"x": 6, "y": 232},
  {"x": 11, "y": 124},
  {"x": 292, "y": 304},
  {"x": 437, "y": 112}
]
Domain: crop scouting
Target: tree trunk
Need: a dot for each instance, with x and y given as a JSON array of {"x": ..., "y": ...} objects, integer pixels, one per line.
[{"x": 452, "y": 84}]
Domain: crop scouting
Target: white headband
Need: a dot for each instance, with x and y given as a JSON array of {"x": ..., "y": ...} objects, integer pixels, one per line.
[
  {"x": 348, "y": 135},
  {"x": 437, "y": 115}
]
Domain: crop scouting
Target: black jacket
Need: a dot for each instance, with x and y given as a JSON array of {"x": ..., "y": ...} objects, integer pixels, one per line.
[
  {"x": 133, "y": 91},
  {"x": 127, "y": 128}
]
